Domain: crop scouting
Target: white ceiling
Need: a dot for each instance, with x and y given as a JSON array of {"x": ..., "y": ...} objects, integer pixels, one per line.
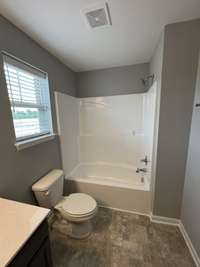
[{"x": 59, "y": 27}]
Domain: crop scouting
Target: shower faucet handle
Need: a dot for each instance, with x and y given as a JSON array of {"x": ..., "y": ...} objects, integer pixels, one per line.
[
  {"x": 144, "y": 170},
  {"x": 145, "y": 160}
]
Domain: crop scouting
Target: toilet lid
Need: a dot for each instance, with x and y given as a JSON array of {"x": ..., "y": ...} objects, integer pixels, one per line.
[{"x": 79, "y": 204}]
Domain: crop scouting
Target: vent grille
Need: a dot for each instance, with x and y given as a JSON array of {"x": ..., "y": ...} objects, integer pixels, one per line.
[{"x": 98, "y": 16}]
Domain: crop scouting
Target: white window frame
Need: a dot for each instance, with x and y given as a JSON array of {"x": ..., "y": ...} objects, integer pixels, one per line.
[{"x": 33, "y": 139}]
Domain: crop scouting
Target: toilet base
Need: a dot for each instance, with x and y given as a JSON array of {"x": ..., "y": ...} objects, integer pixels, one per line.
[
  {"x": 79, "y": 230},
  {"x": 76, "y": 230}
]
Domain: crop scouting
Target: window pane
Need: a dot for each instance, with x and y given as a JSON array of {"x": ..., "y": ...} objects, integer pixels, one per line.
[
  {"x": 29, "y": 96},
  {"x": 26, "y": 121}
]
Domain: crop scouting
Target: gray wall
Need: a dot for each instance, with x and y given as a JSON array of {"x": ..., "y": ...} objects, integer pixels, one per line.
[
  {"x": 156, "y": 65},
  {"x": 20, "y": 169},
  {"x": 190, "y": 215},
  {"x": 113, "y": 81},
  {"x": 180, "y": 60}
]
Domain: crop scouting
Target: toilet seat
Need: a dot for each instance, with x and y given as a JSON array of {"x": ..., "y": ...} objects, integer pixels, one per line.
[
  {"x": 77, "y": 206},
  {"x": 80, "y": 216}
]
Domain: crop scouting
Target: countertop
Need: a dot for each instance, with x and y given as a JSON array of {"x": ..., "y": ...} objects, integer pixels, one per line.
[{"x": 18, "y": 221}]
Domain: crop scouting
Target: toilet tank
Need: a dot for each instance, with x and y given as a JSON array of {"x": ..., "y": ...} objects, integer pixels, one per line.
[{"x": 49, "y": 189}]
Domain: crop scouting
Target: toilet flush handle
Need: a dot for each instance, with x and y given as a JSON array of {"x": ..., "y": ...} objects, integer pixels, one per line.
[{"x": 46, "y": 193}]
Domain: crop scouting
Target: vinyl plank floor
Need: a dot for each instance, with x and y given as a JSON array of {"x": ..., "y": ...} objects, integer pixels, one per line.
[{"x": 121, "y": 239}]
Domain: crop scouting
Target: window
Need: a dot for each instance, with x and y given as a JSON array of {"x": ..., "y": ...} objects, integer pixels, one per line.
[{"x": 28, "y": 92}]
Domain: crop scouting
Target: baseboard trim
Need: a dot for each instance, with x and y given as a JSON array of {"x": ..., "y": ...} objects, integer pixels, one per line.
[
  {"x": 164, "y": 220},
  {"x": 189, "y": 244},
  {"x": 127, "y": 211}
]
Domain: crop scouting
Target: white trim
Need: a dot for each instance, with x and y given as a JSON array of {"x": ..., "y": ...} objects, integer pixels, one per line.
[
  {"x": 57, "y": 113},
  {"x": 127, "y": 211},
  {"x": 34, "y": 141},
  {"x": 189, "y": 244},
  {"x": 164, "y": 220}
]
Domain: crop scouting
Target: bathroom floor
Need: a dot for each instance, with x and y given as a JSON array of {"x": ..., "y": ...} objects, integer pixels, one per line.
[{"x": 121, "y": 240}]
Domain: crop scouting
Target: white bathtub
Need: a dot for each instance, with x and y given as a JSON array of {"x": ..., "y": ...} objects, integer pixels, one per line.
[
  {"x": 112, "y": 185},
  {"x": 123, "y": 176}
]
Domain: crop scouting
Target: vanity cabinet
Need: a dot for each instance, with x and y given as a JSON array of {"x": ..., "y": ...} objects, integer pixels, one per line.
[
  {"x": 42, "y": 258},
  {"x": 36, "y": 252}
]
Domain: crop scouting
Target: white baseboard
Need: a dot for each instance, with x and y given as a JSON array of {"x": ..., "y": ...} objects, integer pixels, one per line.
[
  {"x": 190, "y": 245},
  {"x": 164, "y": 220},
  {"x": 127, "y": 211}
]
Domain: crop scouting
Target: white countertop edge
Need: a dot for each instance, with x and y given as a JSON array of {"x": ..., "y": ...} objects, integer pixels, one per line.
[
  {"x": 20, "y": 246},
  {"x": 25, "y": 240}
]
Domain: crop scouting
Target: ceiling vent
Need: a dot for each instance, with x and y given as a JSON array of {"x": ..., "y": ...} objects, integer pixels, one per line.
[{"x": 97, "y": 16}]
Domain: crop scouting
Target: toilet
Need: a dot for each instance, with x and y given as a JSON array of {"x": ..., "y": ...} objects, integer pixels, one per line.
[{"x": 75, "y": 210}]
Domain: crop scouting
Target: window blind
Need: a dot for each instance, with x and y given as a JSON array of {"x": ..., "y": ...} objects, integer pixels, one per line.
[{"x": 28, "y": 93}]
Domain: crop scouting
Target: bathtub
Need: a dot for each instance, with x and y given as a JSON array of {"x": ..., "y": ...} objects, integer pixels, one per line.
[
  {"x": 116, "y": 186},
  {"x": 124, "y": 176}
]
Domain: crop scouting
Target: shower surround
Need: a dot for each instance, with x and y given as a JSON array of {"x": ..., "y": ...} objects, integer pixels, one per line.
[{"x": 103, "y": 140}]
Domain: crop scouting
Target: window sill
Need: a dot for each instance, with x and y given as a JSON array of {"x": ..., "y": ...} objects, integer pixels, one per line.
[{"x": 34, "y": 141}]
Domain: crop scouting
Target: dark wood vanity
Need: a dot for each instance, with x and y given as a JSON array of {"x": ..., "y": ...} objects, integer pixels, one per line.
[{"x": 36, "y": 252}]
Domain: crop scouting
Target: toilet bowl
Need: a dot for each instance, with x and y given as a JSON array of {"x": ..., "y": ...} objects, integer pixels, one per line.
[{"x": 75, "y": 210}]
